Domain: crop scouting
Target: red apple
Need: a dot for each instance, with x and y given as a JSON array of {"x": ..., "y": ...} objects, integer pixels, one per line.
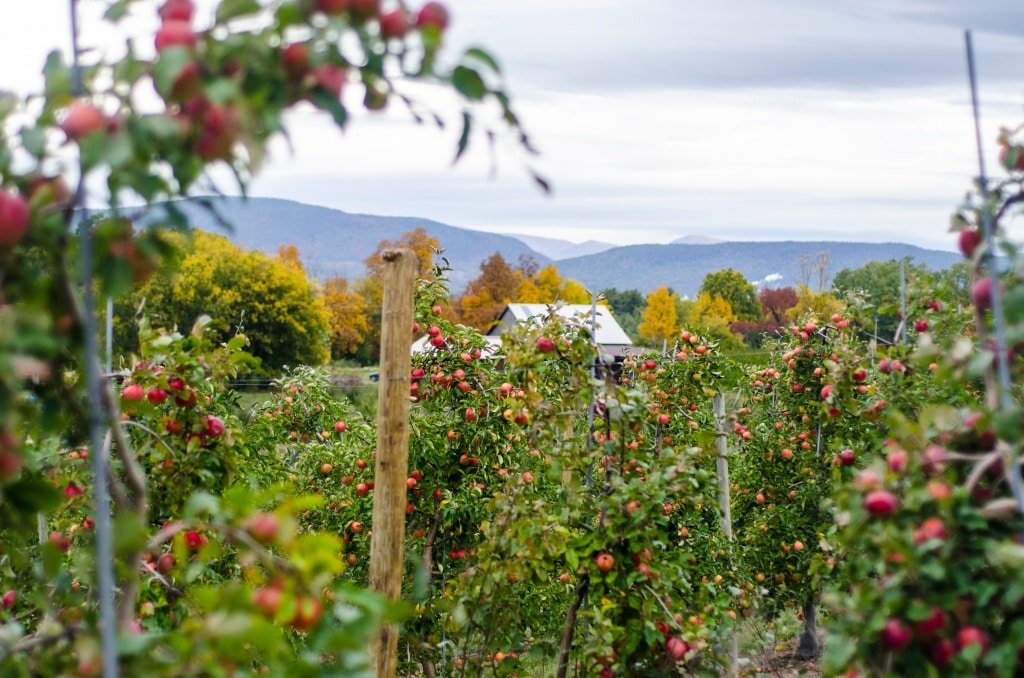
[
  {"x": 332, "y": 7},
  {"x": 896, "y": 635},
  {"x": 847, "y": 457},
  {"x": 605, "y": 562},
  {"x": 942, "y": 652},
  {"x": 82, "y": 119},
  {"x": 60, "y": 541},
  {"x": 972, "y": 635},
  {"x": 934, "y": 623},
  {"x": 214, "y": 426},
  {"x": 1011, "y": 157},
  {"x": 881, "y": 503},
  {"x": 175, "y": 34},
  {"x": 267, "y": 599},
  {"x": 295, "y": 58},
  {"x": 177, "y": 10},
  {"x": 194, "y": 540},
  {"x": 969, "y": 240},
  {"x": 545, "y": 345},
  {"x": 8, "y": 600},
  {"x": 263, "y": 527},
  {"x": 921, "y": 326},
  {"x": 433, "y": 14},
  {"x": 676, "y": 648},
  {"x": 394, "y": 24},
  {"x": 156, "y": 395},
  {"x": 362, "y": 489},
  {"x": 13, "y": 219},
  {"x": 981, "y": 293},
  {"x": 330, "y": 77},
  {"x": 133, "y": 393},
  {"x": 340, "y": 426},
  {"x": 826, "y": 391},
  {"x": 898, "y": 460},
  {"x": 931, "y": 528},
  {"x": 165, "y": 563}
]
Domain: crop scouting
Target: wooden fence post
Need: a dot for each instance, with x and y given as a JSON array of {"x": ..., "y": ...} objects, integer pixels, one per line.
[
  {"x": 725, "y": 503},
  {"x": 387, "y": 539}
]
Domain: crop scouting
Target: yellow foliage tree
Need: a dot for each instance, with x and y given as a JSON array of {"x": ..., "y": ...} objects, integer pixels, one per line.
[
  {"x": 659, "y": 321},
  {"x": 820, "y": 305},
  {"x": 547, "y": 287},
  {"x": 347, "y": 310},
  {"x": 273, "y": 302}
]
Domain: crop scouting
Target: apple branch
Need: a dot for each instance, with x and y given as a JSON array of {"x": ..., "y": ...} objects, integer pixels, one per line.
[{"x": 569, "y": 629}]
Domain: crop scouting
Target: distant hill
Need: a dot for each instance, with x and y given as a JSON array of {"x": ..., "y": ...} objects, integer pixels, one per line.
[
  {"x": 562, "y": 249},
  {"x": 332, "y": 242},
  {"x": 697, "y": 240},
  {"x": 683, "y": 267}
]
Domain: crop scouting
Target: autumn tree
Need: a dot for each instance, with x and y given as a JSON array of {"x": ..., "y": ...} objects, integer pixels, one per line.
[
  {"x": 731, "y": 286},
  {"x": 487, "y": 294},
  {"x": 273, "y": 301},
  {"x": 820, "y": 305},
  {"x": 658, "y": 322},
  {"x": 289, "y": 256},
  {"x": 348, "y": 318},
  {"x": 547, "y": 287},
  {"x": 775, "y": 303},
  {"x": 371, "y": 287}
]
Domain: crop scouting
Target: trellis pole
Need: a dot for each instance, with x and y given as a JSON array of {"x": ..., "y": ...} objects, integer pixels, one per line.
[
  {"x": 725, "y": 504},
  {"x": 96, "y": 413},
  {"x": 998, "y": 314},
  {"x": 389, "y": 500}
]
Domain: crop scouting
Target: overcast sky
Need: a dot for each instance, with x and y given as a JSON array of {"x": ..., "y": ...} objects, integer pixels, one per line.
[{"x": 739, "y": 119}]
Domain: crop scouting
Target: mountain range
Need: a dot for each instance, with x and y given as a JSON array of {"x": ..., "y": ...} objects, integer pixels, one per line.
[{"x": 332, "y": 242}]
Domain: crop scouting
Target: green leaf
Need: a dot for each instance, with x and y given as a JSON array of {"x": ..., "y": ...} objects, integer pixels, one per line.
[
  {"x": 32, "y": 494},
  {"x": 34, "y": 141},
  {"x": 116, "y": 11},
  {"x": 57, "y": 76},
  {"x": 468, "y": 83},
  {"x": 169, "y": 66},
  {"x": 129, "y": 532},
  {"x": 467, "y": 125},
  {"x": 572, "y": 559},
  {"x": 162, "y": 127},
  {"x": 483, "y": 56},
  {"x": 328, "y": 102},
  {"x": 232, "y": 9}
]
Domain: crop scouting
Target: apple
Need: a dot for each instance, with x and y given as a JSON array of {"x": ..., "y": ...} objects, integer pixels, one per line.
[
  {"x": 340, "y": 426},
  {"x": 156, "y": 395},
  {"x": 896, "y": 635},
  {"x": 410, "y": 483},
  {"x": 330, "y": 77},
  {"x": 898, "y": 460},
  {"x": 604, "y": 561},
  {"x": 133, "y": 393},
  {"x": 676, "y": 648},
  {"x": 969, "y": 240},
  {"x": 942, "y": 652},
  {"x": 332, "y": 7},
  {"x": 881, "y": 503},
  {"x": 934, "y": 459},
  {"x": 847, "y": 457},
  {"x": 931, "y": 528},
  {"x": 175, "y": 34},
  {"x": 186, "y": 399},
  {"x": 214, "y": 426},
  {"x": 934, "y": 623},
  {"x": 360, "y": 464},
  {"x": 263, "y": 527},
  {"x": 921, "y": 326},
  {"x": 364, "y": 9},
  {"x": 355, "y": 526},
  {"x": 60, "y": 541},
  {"x": 8, "y": 600},
  {"x": 177, "y": 10},
  {"x": 267, "y": 599},
  {"x": 522, "y": 417},
  {"x": 326, "y": 468},
  {"x": 194, "y": 540},
  {"x": 663, "y": 419},
  {"x": 433, "y": 14},
  {"x": 13, "y": 219},
  {"x": 437, "y": 342},
  {"x": 972, "y": 635},
  {"x": 82, "y": 119},
  {"x": 470, "y": 414},
  {"x": 295, "y": 58},
  {"x": 545, "y": 345},
  {"x": 786, "y": 453},
  {"x": 165, "y": 563},
  {"x": 1011, "y": 157},
  {"x": 394, "y": 24},
  {"x": 176, "y": 383},
  {"x": 527, "y": 477},
  {"x": 173, "y": 426},
  {"x": 826, "y": 391},
  {"x": 981, "y": 293},
  {"x": 362, "y": 489}
]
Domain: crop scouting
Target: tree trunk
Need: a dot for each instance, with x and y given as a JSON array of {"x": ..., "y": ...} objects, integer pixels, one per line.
[{"x": 809, "y": 646}]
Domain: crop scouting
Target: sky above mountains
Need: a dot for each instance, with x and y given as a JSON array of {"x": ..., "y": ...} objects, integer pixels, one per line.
[{"x": 740, "y": 119}]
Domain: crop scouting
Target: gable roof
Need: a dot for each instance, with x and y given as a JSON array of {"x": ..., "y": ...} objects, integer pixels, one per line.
[{"x": 608, "y": 332}]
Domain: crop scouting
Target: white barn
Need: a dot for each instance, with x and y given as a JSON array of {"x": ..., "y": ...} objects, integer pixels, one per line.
[{"x": 612, "y": 338}]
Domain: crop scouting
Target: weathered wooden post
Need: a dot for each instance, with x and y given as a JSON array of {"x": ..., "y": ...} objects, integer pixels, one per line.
[
  {"x": 389, "y": 501},
  {"x": 725, "y": 503}
]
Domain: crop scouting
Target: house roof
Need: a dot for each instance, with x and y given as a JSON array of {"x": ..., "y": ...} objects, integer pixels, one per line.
[
  {"x": 608, "y": 332},
  {"x": 422, "y": 345}
]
